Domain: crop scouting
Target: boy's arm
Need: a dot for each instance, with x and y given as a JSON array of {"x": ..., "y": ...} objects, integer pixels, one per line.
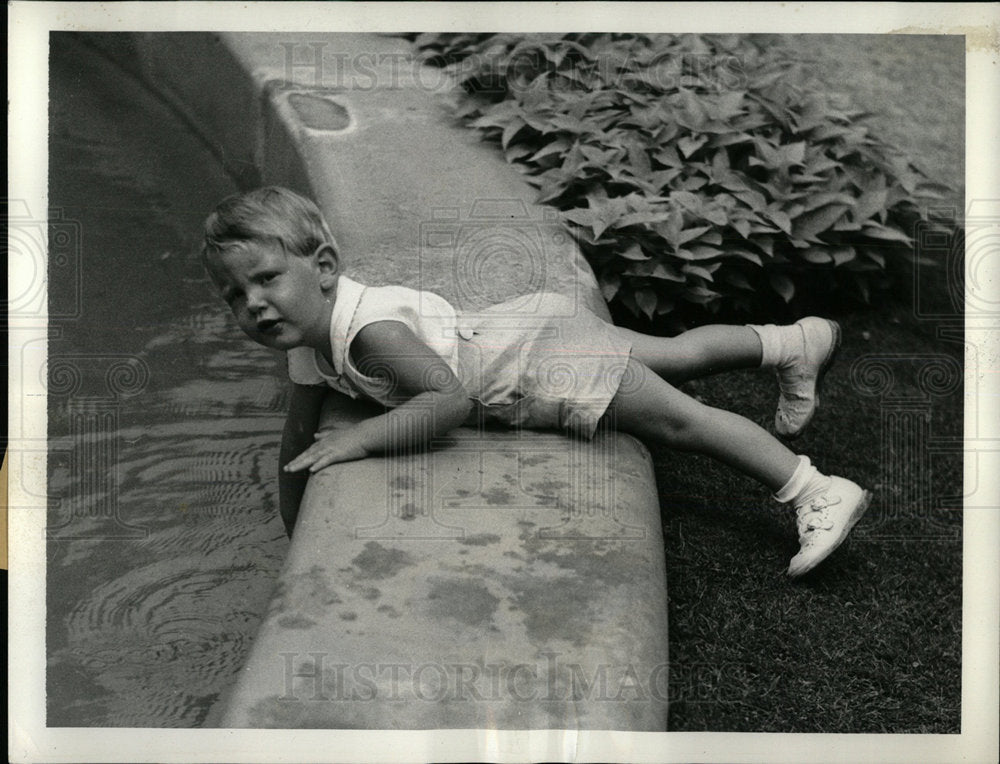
[
  {"x": 432, "y": 401},
  {"x": 300, "y": 427}
]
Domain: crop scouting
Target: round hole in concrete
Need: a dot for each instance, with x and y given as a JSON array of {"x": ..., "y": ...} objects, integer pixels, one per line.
[{"x": 320, "y": 113}]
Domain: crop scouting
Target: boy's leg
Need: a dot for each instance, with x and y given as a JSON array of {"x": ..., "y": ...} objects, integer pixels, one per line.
[
  {"x": 827, "y": 507},
  {"x": 697, "y": 352},
  {"x": 800, "y": 354},
  {"x": 650, "y": 408}
]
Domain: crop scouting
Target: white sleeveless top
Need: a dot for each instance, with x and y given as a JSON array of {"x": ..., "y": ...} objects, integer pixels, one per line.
[
  {"x": 430, "y": 317},
  {"x": 541, "y": 362}
]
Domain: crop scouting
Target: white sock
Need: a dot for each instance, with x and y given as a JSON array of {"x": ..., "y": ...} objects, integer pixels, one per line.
[
  {"x": 770, "y": 344},
  {"x": 804, "y": 482}
]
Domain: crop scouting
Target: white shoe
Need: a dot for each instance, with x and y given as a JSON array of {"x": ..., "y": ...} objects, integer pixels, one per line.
[
  {"x": 824, "y": 521},
  {"x": 800, "y": 373}
]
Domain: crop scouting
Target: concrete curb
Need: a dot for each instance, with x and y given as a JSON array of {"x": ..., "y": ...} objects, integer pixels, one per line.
[{"x": 503, "y": 579}]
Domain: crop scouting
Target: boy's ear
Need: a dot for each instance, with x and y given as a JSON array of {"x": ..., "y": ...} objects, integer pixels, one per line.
[{"x": 329, "y": 265}]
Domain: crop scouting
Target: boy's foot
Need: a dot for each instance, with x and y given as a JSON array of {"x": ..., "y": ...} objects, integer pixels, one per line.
[
  {"x": 824, "y": 521},
  {"x": 808, "y": 353}
]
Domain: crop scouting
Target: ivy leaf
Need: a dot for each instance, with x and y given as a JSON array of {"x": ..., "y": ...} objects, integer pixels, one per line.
[
  {"x": 670, "y": 229},
  {"x": 720, "y": 164},
  {"x": 698, "y": 270},
  {"x": 741, "y": 225},
  {"x": 665, "y": 272},
  {"x": 694, "y": 183},
  {"x": 746, "y": 254},
  {"x": 571, "y": 124},
  {"x": 493, "y": 119},
  {"x": 664, "y": 305},
  {"x": 730, "y": 139},
  {"x": 780, "y": 219},
  {"x": 876, "y": 231},
  {"x": 691, "y": 143},
  {"x": 819, "y": 164},
  {"x": 599, "y": 219},
  {"x": 610, "y": 284},
  {"x": 557, "y": 146},
  {"x": 793, "y": 153},
  {"x": 668, "y": 156},
  {"x": 810, "y": 224},
  {"x": 752, "y": 199},
  {"x": 589, "y": 218},
  {"x": 715, "y": 215},
  {"x": 729, "y": 104},
  {"x": 652, "y": 269},
  {"x": 782, "y": 285},
  {"x": 846, "y": 224},
  {"x": 869, "y": 204},
  {"x": 633, "y": 252},
  {"x": 646, "y": 300},
  {"x": 628, "y": 300},
  {"x": 737, "y": 279},
  {"x": 687, "y": 200},
  {"x": 828, "y": 132},
  {"x": 637, "y": 218},
  {"x": 689, "y": 234},
  {"x": 692, "y": 114},
  {"x": 842, "y": 255},
  {"x": 928, "y": 190},
  {"x": 698, "y": 252},
  {"x": 596, "y": 155},
  {"x": 637, "y": 156},
  {"x": 878, "y": 257},
  {"x": 700, "y": 294},
  {"x": 766, "y": 244},
  {"x": 516, "y": 152},
  {"x": 822, "y": 199},
  {"x": 816, "y": 255}
]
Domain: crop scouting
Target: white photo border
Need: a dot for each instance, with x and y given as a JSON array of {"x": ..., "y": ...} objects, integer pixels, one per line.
[{"x": 29, "y": 24}]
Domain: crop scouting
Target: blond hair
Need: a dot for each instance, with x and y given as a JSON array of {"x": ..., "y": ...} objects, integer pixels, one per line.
[{"x": 270, "y": 214}]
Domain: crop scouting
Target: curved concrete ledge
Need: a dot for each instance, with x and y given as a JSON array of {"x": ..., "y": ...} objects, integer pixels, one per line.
[{"x": 502, "y": 579}]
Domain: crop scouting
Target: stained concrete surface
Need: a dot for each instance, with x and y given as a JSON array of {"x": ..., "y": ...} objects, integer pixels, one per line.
[{"x": 504, "y": 579}]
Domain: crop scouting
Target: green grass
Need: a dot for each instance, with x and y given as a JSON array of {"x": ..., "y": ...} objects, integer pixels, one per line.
[
  {"x": 868, "y": 642},
  {"x": 871, "y": 640}
]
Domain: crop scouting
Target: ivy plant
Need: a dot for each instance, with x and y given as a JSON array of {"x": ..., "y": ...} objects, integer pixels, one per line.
[{"x": 700, "y": 173}]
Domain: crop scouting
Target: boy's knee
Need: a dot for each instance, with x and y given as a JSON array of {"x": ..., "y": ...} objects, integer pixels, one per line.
[{"x": 682, "y": 428}]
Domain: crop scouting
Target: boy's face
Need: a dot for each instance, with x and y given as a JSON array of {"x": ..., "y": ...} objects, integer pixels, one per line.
[{"x": 280, "y": 301}]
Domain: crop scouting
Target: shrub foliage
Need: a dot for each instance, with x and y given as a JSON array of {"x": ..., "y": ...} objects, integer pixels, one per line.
[{"x": 702, "y": 174}]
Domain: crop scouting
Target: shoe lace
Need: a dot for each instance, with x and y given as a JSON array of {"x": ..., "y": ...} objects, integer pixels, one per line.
[{"x": 815, "y": 516}]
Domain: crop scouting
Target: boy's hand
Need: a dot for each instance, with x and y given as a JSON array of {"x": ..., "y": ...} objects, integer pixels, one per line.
[{"x": 330, "y": 447}]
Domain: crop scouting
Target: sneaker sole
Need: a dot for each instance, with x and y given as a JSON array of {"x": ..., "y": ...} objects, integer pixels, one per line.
[
  {"x": 857, "y": 514},
  {"x": 831, "y": 357}
]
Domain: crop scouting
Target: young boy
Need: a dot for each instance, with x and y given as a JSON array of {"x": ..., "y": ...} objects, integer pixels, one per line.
[{"x": 275, "y": 263}]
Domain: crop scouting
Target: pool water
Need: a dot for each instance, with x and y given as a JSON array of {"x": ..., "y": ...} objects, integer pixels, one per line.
[{"x": 164, "y": 540}]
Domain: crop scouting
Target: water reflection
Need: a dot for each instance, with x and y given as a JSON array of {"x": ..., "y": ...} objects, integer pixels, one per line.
[{"x": 164, "y": 540}]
